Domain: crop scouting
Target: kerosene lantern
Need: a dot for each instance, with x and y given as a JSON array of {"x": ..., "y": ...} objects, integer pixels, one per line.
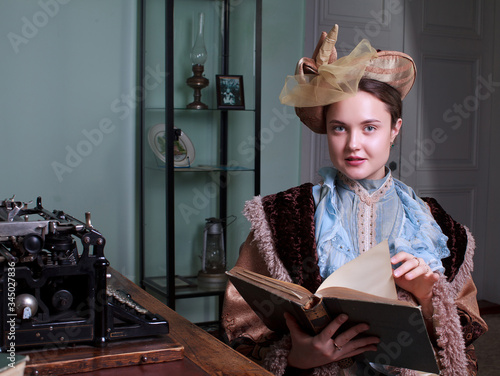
[
  {"x": 212, "y": 275},
  {"x": 198, "y": 58}
]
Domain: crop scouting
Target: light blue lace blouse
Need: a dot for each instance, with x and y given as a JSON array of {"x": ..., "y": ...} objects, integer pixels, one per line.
[{"x": 352, "y": 216}]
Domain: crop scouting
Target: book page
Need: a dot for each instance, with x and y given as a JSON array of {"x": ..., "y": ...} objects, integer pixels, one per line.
[{"x": 370, "y": 272}]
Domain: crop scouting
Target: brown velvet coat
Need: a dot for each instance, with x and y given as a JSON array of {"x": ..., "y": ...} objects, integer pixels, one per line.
[{"x": 282, "y": 245}]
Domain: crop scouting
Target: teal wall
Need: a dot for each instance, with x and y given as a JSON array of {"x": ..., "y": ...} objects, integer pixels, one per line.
[
  {"x": 283, "y": 36},
  {"x": 67, "y": 110},
  {"x": 64, "y": 67}
]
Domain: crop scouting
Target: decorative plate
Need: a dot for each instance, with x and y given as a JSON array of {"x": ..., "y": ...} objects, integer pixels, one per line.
[{"x": 183, "y": 148}]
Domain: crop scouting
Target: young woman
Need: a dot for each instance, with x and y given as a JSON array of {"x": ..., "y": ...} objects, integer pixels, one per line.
[{"x": 306, "y": 233}]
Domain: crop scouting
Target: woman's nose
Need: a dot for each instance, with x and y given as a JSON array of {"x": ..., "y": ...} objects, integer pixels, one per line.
[{"x": 353, "y": 141}]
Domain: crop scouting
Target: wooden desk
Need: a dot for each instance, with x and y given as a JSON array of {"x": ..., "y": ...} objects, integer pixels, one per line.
[{"x": 203, "y": 354}]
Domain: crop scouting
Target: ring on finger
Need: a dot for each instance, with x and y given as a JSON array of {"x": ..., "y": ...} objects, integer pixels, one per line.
[
  {"x": 417, "y": 261},
  {"x": 336, "y": 346}
]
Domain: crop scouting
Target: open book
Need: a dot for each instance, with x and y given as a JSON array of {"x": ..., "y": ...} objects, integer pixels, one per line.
[{"x": 364, "y": 289}]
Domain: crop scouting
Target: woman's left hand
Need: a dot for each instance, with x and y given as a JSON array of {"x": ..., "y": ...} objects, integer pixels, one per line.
[{"x": 414, "y": 275}]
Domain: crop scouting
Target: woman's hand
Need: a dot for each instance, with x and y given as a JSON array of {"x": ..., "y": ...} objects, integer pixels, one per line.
[
  {"x": 309, "y": 352},
  {"x": 415, "y": 276}
]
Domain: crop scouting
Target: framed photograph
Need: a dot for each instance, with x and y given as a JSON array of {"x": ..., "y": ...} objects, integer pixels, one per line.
[{"x": 230, "y": 94}]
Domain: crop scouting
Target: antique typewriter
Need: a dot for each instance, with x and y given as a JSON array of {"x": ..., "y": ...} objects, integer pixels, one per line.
[{"x": 54, "y": 292}]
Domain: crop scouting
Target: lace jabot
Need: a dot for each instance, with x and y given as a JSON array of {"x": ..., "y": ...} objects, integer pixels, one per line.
[
  {"x": 353, "y": 216},
  {"x": 366, "y": 207}
]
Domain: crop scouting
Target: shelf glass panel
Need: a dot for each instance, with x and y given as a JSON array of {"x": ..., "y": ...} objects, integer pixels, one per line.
[
  {"x": 185, "y": 287},
  {"x": 186, "y": 15},
  {"x": 241, "y": 139},
  {"x": 241, "y": 45},
  {"x": 202, "y": 128},
  {"x": 154, "y": 54}
]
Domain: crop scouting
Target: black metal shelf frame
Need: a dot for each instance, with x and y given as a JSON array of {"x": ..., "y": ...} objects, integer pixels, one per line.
[{"x": 171, "y": 294}]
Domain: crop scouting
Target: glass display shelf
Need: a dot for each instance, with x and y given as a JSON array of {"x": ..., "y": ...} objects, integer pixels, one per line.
[
  {"x": 212, "y": 167},
  {"x": 185, "y": 287},
  {"x": 205, "y": 168}
]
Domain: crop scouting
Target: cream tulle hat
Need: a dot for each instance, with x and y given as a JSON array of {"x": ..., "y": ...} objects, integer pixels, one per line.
[{"x": 324, "y": 79}]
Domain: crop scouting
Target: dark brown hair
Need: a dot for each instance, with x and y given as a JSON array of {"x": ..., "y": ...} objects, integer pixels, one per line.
[{"x": 385, "y": 93}]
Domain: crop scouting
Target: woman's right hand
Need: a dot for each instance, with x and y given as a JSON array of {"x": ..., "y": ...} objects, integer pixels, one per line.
[{"x": 309, "y": 352}]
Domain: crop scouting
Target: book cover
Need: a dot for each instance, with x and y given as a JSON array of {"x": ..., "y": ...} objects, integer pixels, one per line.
[
  {"x": 12, "y": 365},
  {"x": 352, "y": 290}
]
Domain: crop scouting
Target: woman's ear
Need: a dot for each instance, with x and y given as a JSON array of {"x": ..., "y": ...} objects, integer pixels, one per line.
[{"x": 395, "y": 129}]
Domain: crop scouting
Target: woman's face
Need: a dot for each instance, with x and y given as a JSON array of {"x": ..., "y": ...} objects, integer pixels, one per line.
[{"x": 360, "y": 135}]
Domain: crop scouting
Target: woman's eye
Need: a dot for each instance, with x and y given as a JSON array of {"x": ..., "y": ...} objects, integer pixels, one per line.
[
  {"x": 338, "y": 128},
  {"x": 370, "y": 128}
]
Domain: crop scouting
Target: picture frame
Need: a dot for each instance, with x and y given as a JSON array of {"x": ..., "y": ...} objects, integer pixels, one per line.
[{"x": 230, "y": 93}]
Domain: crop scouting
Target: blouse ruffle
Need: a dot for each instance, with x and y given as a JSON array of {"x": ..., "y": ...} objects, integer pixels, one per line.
[{"x": 414, "y": 230}]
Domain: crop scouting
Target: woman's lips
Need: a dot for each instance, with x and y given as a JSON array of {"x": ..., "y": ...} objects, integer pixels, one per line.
[{"x": 354, "y": 161}]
